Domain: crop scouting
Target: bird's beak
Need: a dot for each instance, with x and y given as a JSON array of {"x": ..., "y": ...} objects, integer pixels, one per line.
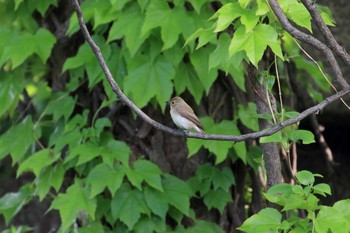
[{"x": 167, "y": 102}]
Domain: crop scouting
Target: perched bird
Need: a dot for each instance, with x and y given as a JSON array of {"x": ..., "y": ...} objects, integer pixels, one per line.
[{"x": 183, "y": 115}]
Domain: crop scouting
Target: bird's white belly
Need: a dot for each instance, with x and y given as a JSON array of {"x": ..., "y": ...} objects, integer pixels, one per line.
[{"x": 181, "y": 122}]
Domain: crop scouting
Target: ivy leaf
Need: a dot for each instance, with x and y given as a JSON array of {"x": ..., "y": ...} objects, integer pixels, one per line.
[
  {"x": 218, "y": 148},
  {"x": 103, "y": 176},
  {"x": 128, "y": 205},
  {"x": 20, "y": 46},
  {"x": 267, "y": 220},
  {"x": 322, "y": 189},
  {"x": 44, "y": 41},
  {"x": 248, "y": 116},
  {"x": 200, "y": 62},
  {"x": 50, "y": 177},
  {"x": 38, "y": 161},
  {"x": 223, "y": 179},
  {"x": 177, "y": 193},
  {"x": 255, "y": 42},
  {"x": 305, "y": 136},
  {"x": 66, "y": 103},
  {"x": 18, "y": 139},
  {"x": 249, "y": 19},
  {"x": 69, "y": 204},
  {"x": 204, "y": 227},
  {"x": 12, "y": 203},
  {"x": 10, "y": 91},
  {"x": 86, "y": 152},
  {"x": 330, "y": 219},
  {"x": 226, "y": 14},
  {"x": 129, "y": 26},
  {"x": 148, "y": 79},
  {"x": 156, "y": 201},
  {"x": 171, "y": 21},
  {"x": 150, "y": 173},
  {"x": 217, "y": 199},
  {"x": 186, "y": 77},
  {"x": 305, "y": 177},
  {"x": 204, "y": 37},
  {"x": 297, "y": 12}
]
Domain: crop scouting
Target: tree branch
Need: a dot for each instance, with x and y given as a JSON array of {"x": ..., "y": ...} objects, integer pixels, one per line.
[
  {"x": 327, "y": 52},
  {"x": 116, "y": 89},
  {"x": 326, "y": 33}
]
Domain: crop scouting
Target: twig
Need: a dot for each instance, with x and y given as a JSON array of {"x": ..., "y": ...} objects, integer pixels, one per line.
[
  {"x": 116, "y": 89},
  {"x": 326, "y": 33},
  {"x": 338, "y": 76}
]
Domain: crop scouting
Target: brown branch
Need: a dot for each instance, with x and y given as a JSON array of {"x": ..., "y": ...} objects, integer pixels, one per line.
[
  {"x": 338, "y": 76},
  {"x": 116, "y": 89},
  {"x": 326, "y": 33}
]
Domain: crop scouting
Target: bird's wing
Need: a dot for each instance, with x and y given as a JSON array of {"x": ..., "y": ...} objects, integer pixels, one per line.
[{"x": 192, "y": 117}]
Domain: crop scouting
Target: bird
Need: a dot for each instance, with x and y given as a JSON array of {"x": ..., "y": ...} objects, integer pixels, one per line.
[{"x": 183, "y": 116}]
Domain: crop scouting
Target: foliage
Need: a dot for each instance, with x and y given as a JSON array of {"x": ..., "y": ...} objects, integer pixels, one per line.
[
  {"x": 155, "y": 49},
  {"x": 300, "y": 197}
]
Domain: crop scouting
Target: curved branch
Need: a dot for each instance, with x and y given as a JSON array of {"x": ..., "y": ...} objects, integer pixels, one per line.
[
  {"x": 338, "y": 76},
  {"x": 326, "y": 33},
  {"x": 116, "y": 89}
]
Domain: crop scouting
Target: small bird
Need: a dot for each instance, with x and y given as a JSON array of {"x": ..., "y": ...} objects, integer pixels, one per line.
[{"x": 183, "y": 115}]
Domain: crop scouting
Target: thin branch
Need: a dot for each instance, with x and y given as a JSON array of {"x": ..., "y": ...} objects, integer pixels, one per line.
[
  {"x": 338, "y": 76},
  {"x": 326, "y": 33},
  {"x": 116, "y": 89}
]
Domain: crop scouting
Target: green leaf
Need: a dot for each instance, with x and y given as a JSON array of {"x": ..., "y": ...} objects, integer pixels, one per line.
[
  {"x": 326, "y": 15},
  {"x": 103, "y": 176},
  {"x": 177, "y": 193},
  {"x": 66, "y": 103},
  {"x": 200, "y": 62},
  {"x": 343, "y": 207},
  {"x": 204, "y": 37},
  {"x": 147, "y": 79},
  {"x": 278, "y": 193},
  {"x": 86, "y": 152},
  {"x": 322, "y": 189},
  {"x": 276, "y": 137},
  {"x": 297, "y": 12},
  {"x": 226, "y": 14},
  {"x": 11, "y": 87},
  {"x": 305, "y": 136},
  {"x": 129, "y": 26},
  {"x": 115, "y": 150},
  {"x": 42, "y": 6},
  {"x": 150, "y": 173},
  {"x": 12, "y": 203},
  {"x": 95, "y": 227},
  {"x": 223, "y": 178},
  {"x": 249, "y": 19},
  {"x": 255, "y": 42},
  {"x": 267, "y": 220},
  {"x": 248, "y": 115},
  {"x": 217, "y": 199},
  {"x": 218, "y": 148},
  {"x": 128, "y": 205},
  {"x": 186, "y": 78},
  {"x": 20, "y": 46},
  {"x": 71, "y": 203},
  {"x": 38, "y": 161},
  {"x": 44, "y": 43},
  {"x": 50, "y": 177},
  {"x": 305, "y": 177},
  {"x": 17, "y": 140},
  {"x": 204, "y": 227},
  {"x": 331, "y": 219},
  {"x": 172, "y": 21},
  {"x": 156, "y": 201}
]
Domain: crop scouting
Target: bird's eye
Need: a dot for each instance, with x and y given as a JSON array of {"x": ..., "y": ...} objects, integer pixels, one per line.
[{"x": 172, "y": 102}]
